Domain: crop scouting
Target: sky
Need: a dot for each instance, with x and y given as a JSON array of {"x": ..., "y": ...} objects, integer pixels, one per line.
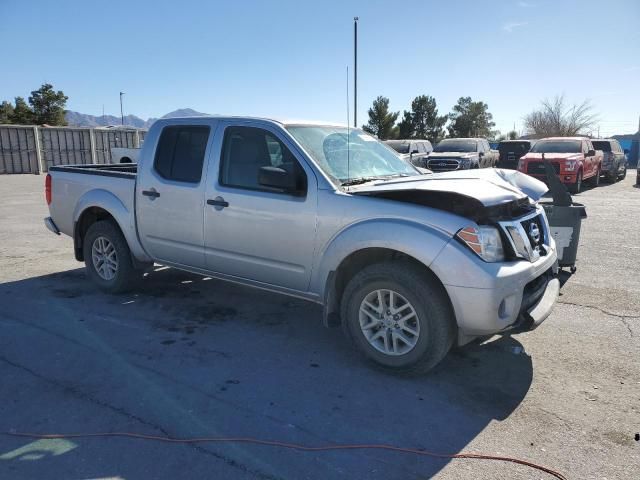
[{"x": 288, "y": 59}]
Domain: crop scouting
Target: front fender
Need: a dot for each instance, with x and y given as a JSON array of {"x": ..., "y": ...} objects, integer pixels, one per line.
[
  {"x": 413, "y": 239},
  {"x": 124, "y": 217}
]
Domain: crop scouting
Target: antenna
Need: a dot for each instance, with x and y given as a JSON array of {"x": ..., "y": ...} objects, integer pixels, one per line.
[{"x": 348, "y": 131}]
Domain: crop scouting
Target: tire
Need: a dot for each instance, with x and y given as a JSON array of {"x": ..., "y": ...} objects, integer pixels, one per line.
[
  {"x": 577, "y": 186},
  {"x": 624, "y": 173},
  {"x": 612, "y": 177},
  {"x": 107, "y": 237},
  {"x": 595, "y": 180},
  {"x": 433, "y": 320}
]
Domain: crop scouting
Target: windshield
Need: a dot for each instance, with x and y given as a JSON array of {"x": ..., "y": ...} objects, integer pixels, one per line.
[
  {"x": 557, "y": 146},
  {"x": 513, "y": 146},
  {"x": 456, "y": 146},
  {"x": 398, "y": 146},
  {"x": 604, "y": 146},
  {"x": 346, "y": 154}
]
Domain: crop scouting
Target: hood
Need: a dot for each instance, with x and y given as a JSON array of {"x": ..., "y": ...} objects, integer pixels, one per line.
[
  {"x": 452, "y": 154},
  {"x": 553, "y": 156},
  {"x": 478, "y": 194}
]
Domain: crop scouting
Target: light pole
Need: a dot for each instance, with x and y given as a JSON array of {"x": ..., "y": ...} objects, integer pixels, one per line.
[
  {"x": 121, "y": 111},
  {"x": 355, "y": 72}
]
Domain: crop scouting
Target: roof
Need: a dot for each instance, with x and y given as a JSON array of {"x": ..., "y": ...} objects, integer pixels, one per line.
[
  {"x": 247, "y": 117},
  {"x": 563, "y": 138}
]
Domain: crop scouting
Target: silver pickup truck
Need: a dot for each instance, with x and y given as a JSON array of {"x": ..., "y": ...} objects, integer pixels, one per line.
[{"x": 408, "y": 264}]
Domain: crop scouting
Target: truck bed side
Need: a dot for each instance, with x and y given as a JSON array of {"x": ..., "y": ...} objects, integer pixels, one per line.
[{"x": 78, "y": 190}]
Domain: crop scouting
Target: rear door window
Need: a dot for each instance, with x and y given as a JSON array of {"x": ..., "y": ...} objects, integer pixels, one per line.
[{"x": 180, "y": 152}]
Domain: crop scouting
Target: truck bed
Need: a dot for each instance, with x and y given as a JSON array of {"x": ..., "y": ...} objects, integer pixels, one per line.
[{"x": 122, "y": 170}]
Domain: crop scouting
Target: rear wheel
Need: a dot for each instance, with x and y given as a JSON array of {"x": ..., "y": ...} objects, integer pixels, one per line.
[
  {"x": 624, "y": 173},
  {"x": 108, "y": 258},
  {"x": 577, "y": 186},
  {"x": 398, "y": 317},
  {"x": 595, "y": 180}
]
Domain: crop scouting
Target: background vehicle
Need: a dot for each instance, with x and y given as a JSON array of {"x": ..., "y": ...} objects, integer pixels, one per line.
[
  {"x": 574, "y": 159},
  {"x": 614, "y": 160},
  {"x": 414, "y": 151},
  {"x": 406, "y": 263},
  {"x": 124, "y": 155},
  {"x": 462, "y": 154},
  {"x": 510, "y": 151}
]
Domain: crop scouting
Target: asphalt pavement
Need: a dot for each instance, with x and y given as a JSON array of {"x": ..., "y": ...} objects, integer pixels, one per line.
[{"x": 188, "y": 356}]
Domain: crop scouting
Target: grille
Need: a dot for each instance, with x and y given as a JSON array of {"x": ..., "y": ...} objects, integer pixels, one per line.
[
  {"x": 530, "y": 226},
  {"x": 443, "y": 164},
  {"x": 537, "y": 168}
]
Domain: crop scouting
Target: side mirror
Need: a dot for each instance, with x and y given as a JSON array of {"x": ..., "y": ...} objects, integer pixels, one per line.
[
  {"x": 480, "y": 154},
  {"x": 278, "y": 179},
  {"x": 591, "y": 153}
]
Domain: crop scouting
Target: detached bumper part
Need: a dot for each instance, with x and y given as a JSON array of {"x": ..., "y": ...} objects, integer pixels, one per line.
[
  {"x": 537, "y": 304},
  {"x": 51, "y": 226}
]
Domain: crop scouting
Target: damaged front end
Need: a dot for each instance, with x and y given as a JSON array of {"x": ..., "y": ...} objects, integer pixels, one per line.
[{"x": 503, "y": 199}]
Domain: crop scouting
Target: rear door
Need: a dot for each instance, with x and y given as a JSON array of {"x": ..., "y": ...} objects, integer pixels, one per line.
[
  {"x": 170, "y": 195},
  {"x": 252, "y": 232}
]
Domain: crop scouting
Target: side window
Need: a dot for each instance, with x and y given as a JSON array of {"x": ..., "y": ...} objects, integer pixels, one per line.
[
  {"x": 480, "y": 147},
  {"x": 245, "y": 150},
  {"x": 585, "y": 147},
  {"x": 180, "y": 152},
  {"x": 422, "y": 148}
]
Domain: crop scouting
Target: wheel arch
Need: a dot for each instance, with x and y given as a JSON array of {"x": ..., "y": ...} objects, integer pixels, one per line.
[
  {"x": 98, "y": 205},
  {"x": 338, "y": 278}
]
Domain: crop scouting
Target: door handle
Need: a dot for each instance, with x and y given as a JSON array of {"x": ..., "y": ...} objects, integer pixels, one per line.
[
  {"x": 218, "y": 202},
  {"x": 151, "y": 193}
]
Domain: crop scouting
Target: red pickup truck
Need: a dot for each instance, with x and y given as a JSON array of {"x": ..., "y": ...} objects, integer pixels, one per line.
[{"x": 573, "y": 158}]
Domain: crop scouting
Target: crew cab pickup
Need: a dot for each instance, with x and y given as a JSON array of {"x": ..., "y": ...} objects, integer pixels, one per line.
[
  {"x": 408, "y": 264},
  {"x": 573, "y": 158},
  {"x": 461, "y": 154}
]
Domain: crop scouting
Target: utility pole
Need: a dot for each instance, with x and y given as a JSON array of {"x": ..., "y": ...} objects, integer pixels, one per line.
[
  {"x": 355, "y": 72},
  {"x": 121, "y": 110}
]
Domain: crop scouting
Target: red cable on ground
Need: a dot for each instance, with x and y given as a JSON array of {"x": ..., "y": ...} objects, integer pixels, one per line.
[{"x": 293, "y": 446}]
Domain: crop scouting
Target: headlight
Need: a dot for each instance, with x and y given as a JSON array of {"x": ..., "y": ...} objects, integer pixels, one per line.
[
  {"x": 484, "y": 241},
  {"x": 465, "y": 162},
  {"x": 570, "y": 165}
]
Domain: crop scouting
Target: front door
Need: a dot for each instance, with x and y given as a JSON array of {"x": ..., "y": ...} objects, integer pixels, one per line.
[
  {"x": 253, "y": 232},
  {"x": 170, "y": 196}
]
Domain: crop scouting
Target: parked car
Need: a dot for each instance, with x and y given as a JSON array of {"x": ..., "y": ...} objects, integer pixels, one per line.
[
  {"x": 414, "y": 151},
  {"x": 510, "y": 151},
  {"x": 462, "y": 154},
  {"x": 614, "y": 161},
  {"x": 574, "y": 159},
  {"x": 407, "y": 264},
  {"x": 124, "y": 155}
]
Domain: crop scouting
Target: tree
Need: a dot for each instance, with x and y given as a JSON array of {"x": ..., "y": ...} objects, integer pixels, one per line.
[
  {"x": 512, "y": 135},
  {"x": 405, "y": 127},
  {"x": 381, "y": 121},
  {"x": 6, "y": 112},
  {"x": 22, "y": 114},
  {"x": 555, "y": 118},
  {"x": 425, "y": 121},
  {"x": 470, "y": 119},
  {"x": 48, "y": 105}
]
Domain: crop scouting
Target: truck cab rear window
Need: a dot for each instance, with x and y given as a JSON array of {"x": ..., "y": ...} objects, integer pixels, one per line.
[{"x": 180, "y": 153}]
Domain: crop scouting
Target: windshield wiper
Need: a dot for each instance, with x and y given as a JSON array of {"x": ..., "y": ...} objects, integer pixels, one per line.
[{"x": 359, "y": 181}]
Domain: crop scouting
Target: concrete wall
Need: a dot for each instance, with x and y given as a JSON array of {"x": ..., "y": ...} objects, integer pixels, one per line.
[{"x": 32, "y": 149}]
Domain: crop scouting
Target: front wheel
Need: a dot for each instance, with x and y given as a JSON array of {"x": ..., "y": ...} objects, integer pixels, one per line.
[
  {"x": 577, "y": 186},
  {"x": 398, "y": 316},
  {"x": 624, "y": 173},
  {"x": 108, "y": 258}
]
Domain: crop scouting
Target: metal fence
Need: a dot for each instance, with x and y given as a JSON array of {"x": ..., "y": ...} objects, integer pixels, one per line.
[{"x": 32, "y": 149}]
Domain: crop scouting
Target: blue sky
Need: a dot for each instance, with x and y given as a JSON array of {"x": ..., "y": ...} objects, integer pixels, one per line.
[{"x": 288, "y": 59}]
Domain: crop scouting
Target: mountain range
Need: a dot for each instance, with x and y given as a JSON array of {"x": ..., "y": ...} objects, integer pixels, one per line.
[{"x": 76, "y": 119}]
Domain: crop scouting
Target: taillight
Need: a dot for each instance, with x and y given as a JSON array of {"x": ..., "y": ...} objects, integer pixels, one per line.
[{"x": 47, "y": 189}]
